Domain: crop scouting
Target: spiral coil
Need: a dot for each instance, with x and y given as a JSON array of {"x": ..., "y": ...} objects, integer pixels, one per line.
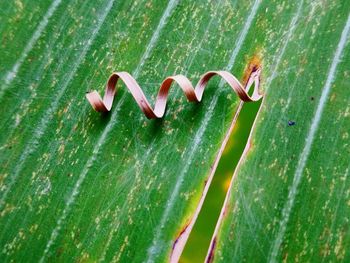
[{"x": 192, "y": 94}]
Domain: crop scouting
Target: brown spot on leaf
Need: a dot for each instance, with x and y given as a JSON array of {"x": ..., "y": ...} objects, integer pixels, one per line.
[{"x": 253, "y": 64}]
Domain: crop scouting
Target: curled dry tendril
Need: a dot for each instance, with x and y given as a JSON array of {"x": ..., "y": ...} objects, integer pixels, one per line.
[{"x": 192, "y": 94}]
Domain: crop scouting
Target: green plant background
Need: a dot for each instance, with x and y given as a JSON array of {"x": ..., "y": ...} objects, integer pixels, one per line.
[{"x": 76, "y": 185}]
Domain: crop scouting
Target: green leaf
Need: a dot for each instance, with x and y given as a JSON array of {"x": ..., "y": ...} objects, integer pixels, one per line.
[
  {"x": 290, "y": 198},
  {"x": 78, "y": 185}
]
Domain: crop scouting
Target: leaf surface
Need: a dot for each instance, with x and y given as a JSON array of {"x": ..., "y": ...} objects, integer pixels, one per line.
[
  {"x": 78, "y": 185},
  {"x": 289, "y": 199}
]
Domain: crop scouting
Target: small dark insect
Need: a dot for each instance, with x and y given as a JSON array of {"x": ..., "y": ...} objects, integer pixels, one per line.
[
  {"x": 291, "y": 123},
  {"x": 312, "y": 98}
]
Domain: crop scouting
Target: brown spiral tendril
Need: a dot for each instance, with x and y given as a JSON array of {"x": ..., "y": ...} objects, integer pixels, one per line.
[{"x": 192, "y": 94}]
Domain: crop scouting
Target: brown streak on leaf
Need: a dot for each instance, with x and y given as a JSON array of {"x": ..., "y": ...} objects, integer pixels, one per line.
[
  {"x": 211, "y": 252},
  {"x": 180, "y": 234}
]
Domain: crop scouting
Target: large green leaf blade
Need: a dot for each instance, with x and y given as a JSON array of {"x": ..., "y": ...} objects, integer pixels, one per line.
[
  {"x": 77, "y": 185},
  {"x": 289, "y": 198}
]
